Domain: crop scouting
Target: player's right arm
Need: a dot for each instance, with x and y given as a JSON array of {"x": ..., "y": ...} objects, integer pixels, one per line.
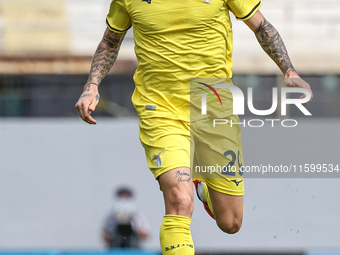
[{"x": 104, "y": 57}]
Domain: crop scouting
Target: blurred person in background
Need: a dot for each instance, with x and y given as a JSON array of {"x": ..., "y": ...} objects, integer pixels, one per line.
[{"x": 125, "y": 227}]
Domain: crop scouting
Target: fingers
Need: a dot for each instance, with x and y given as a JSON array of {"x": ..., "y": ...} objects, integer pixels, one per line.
[
  {"x": 307, "y": 86},
  {"x": 289, "y": 83},
  {"x": 84, "y": 112},
  {"x": 302, "y": 97},
  {"x": 94, "y": 103},
  {"x": 87, "y": 104},
  {"x": 299, "y": 83}
]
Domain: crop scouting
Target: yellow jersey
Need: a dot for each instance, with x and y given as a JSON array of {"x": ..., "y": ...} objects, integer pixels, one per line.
[{"x": 175, "y": 41}]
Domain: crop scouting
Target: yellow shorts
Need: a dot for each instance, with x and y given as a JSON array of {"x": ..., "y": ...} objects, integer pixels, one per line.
[{"x": 214, "y": 154}]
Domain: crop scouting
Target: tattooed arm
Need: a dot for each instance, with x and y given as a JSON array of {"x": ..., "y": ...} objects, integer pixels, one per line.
[
  {"x": 102, "y": 62},
  {"x": 272, "y": 43}
]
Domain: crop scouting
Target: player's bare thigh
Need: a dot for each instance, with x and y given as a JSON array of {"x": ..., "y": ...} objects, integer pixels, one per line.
[
  {"x": 177, "y": 187},
  {"x": 228, "y": 211}
]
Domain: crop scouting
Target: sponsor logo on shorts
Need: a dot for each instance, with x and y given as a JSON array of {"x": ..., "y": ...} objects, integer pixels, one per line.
[
  {"x": 148, "y": 1},
  {"x": 157, "y": 158},
  {"x": 237, "y": 182}
]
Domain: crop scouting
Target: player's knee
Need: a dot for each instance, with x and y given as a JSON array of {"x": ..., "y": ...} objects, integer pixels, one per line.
[
  {"x": 181, "y": 203},
  {"x": 230, "y": 226}
]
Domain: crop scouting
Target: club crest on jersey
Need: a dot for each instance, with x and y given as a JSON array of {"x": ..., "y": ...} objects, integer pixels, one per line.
[
  {"x": 148, "y": 1},
  {"x": 157, "y": 159}
]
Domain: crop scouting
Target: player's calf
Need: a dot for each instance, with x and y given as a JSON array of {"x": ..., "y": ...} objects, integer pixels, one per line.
[
  {"x": 230, "y": 225},
  {"x": 228, "y": 211},
  {"x": 175, "y": 235}
]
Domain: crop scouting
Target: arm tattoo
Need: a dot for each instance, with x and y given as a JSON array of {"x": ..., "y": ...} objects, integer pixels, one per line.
[
  {"x": 97, "y": 97},
  {"x": 271, "y": 42},
  {"x": 86, "y": 95},
  {"x": 105, "y": 56},
  {"x": 89, "y": 83}
]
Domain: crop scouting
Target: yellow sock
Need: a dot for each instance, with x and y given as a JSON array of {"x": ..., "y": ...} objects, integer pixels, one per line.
[
  {"x": 206, "y": 196},
  {"x": 175, "y": 236}
]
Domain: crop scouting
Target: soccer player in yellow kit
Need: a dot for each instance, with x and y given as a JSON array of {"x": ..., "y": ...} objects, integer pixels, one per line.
[{"x": 175, "y": 41}]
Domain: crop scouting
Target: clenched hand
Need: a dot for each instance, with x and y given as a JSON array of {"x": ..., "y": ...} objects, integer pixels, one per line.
[
  {"x": 87, "y": 103},
  {"x": 299, "y": 83}
]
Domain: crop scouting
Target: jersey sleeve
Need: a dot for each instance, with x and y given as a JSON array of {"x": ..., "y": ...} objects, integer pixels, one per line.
[
  {"x": 244, "y": 9},
  {"x": 118, "y": 19}
]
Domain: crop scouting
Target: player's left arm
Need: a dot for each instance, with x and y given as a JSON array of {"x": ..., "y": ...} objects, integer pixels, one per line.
[{"x": 272, "y": 43}]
